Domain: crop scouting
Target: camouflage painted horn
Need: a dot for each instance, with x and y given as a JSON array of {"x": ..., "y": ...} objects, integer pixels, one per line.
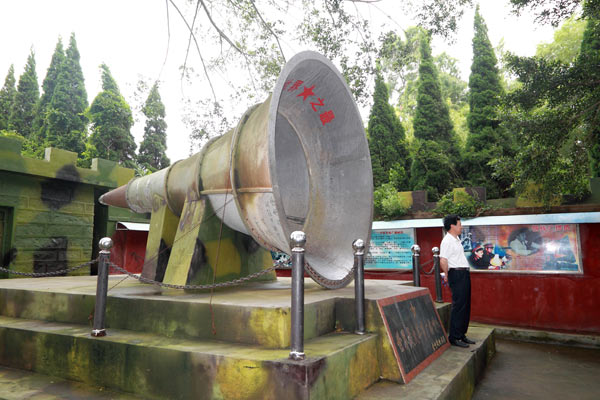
[{"x": 298, "y": 161}]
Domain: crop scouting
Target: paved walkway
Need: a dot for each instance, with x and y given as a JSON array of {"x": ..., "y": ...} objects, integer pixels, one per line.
[
  {"x": 24, "y": 385},
  {"x": 522, "y": 371}
]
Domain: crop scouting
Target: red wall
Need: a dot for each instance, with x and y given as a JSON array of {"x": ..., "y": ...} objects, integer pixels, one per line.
[
  {"x": 560, "y": 302},
  {"x": 129, "y": 250}
]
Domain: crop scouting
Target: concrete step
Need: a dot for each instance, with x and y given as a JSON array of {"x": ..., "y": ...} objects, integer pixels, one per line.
[
  {"x": 255, "y": 313},
  {"x": 338, "y": 365},
  {"x": 24, "y": 385},
  {"x": 452, "y": 376}
]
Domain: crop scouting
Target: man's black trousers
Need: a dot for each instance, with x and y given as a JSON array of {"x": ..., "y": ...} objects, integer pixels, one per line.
[{"x": 460, "y": 285}]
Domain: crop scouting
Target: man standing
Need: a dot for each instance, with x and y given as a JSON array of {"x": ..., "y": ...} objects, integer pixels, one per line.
[{"x": 455, "y": 266}]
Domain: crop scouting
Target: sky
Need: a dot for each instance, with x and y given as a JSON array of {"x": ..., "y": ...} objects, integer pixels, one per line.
[{"x": 131, "y": 37}]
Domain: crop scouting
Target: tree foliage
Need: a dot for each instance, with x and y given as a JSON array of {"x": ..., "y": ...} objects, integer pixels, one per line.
[
  {"x": 66, "y": 122},
  {"x": 432, "y": 121},
  {"x": 435, "y": 148},
  {"x": 7, "y": 97},
  {"x": 26, "y": 97},
  {"x": 399, "y": 60},
  {"x": 56, "y": 63},
  {"x": 556, "y": 114},
  {"x": 252, "y": 39},
  {"x": 389, "y": 152},
  {"x": 111, "y": 124},
  {"x": 552, "y": 12},
  {"x": 567, "y": 41},
  {"x": 487, "y": 139},
  {"x": 152, "y": 155}
]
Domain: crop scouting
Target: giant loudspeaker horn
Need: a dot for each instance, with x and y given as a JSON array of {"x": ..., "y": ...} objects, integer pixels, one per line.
[{"x": 298, "y": 161}]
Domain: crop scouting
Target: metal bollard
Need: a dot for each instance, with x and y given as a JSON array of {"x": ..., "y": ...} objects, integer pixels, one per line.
[
  {"x": 297, "y": 242},
  {"x": 102, "y": 287},
  {"x": 416, "y": 252},
  {"x": 436, "y": 273},
  {"x": 359, "y": 285}
]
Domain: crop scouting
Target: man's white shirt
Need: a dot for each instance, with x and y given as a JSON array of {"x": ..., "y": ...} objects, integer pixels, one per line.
[{"x": 452, "y": 250}]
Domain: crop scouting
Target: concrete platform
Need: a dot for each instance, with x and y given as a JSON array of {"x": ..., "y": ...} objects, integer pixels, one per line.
[
  {"x": 169, "y": 344},
  {"x": 452, "y": 376},
  {"x": 255, "y": 313},
  {"x": 152, "y": 367}
]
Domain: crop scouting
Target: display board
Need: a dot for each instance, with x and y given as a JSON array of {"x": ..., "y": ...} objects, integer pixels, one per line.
[
  {"x": 390, "y": 249},
  {"x": 523, "y": 248},
  {"x": 414, "y": 329}
]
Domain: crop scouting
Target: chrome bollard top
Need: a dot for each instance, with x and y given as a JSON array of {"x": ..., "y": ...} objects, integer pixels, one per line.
[
  {"x": 105, "y": 244},
  {"x": 359, "y": 247},
  {"x": 435, "y": 251},
  {"x": 416, "y": 249},
  {"x": 297, "y": 240}
]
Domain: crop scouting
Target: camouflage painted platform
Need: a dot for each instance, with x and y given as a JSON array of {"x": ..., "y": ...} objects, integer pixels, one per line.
[{"x": 169, "y": 344}]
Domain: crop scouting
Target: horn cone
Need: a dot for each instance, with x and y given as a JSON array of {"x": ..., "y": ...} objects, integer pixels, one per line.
[{"x": 298, "y": 161}]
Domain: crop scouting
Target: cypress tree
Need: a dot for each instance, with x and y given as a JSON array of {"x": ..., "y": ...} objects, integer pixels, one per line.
[
  {"x": 432, "y": 119},
  {"x": 436, "y": 147},
  {"x": 111, "y": 123},
  {"x": 56, "y": 63},
  {"x": 66, "y": 123},
  {"x": 26, "y": 97},
  {"x": 152, "y": 155},
  {"x": 389, "y": 153},
  {"x": 7, "y": 98},
  {"x": 486, "y": 140}
]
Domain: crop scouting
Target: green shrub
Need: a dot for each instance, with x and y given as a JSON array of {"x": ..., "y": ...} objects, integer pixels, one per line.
[
  {"x": 388, "y": 204},
  {"x": 460, "y": 203}
]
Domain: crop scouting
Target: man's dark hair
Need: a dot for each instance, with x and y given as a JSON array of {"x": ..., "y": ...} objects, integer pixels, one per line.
[{"x": 451, "y": 219}]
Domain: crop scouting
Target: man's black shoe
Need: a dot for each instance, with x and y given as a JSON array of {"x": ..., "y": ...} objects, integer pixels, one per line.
[
  {"x": 459, "y": 343},
  {"x": 467, "y": 340}
]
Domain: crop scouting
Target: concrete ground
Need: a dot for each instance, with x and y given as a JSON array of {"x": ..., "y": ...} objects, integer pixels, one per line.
[
  {"x": 523, "y": 370},
  {"x": 24, "y": 385}
]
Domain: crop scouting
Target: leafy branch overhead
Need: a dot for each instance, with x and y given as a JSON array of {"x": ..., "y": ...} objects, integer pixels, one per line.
[{"x": 242, "y": 45}]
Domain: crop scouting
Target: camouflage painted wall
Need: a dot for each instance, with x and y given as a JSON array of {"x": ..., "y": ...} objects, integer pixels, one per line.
[{"x": 49, "y": 207}]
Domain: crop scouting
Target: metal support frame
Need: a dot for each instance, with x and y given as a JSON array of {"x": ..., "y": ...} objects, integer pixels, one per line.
[
  {"x": 359, "y": 285},
  {"x": 416, "y": 255},
  {"x": 297, "y": 242},
  {"x": 102, "y": 287},
  {"x": 436, "y": 274}
]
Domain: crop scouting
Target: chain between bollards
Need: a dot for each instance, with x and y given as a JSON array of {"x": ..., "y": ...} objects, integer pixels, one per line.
[
  {"x": 416, "y": 255},
  {"x": 436, "y": 274},
  {"x": 359, "y": 285},
  {"x": 297, "y": 242},
  {"x": 102, "y": 287}
]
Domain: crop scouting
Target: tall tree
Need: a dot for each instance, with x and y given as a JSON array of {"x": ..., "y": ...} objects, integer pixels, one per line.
[
  {"x": 399, "y": 60},
  {"x": 389, "y": 153},
  {"x": 486, "y": 140},
  {"x": 588, "y": 61},
  {"x": 48, "y": 85},
  {"x": 66, "y": 120},
  {"x": 556, "y": 114},
  {"x": 566, "y": 43},
  {"x": 152, "y": 155},
  {"x": 435, "y": 140},
  {"x": 432, "y": 120},
  {"x": 26, "y": 97},
  {"x": 7, "y": 98},
  {"x": 111, "y": 123}
]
